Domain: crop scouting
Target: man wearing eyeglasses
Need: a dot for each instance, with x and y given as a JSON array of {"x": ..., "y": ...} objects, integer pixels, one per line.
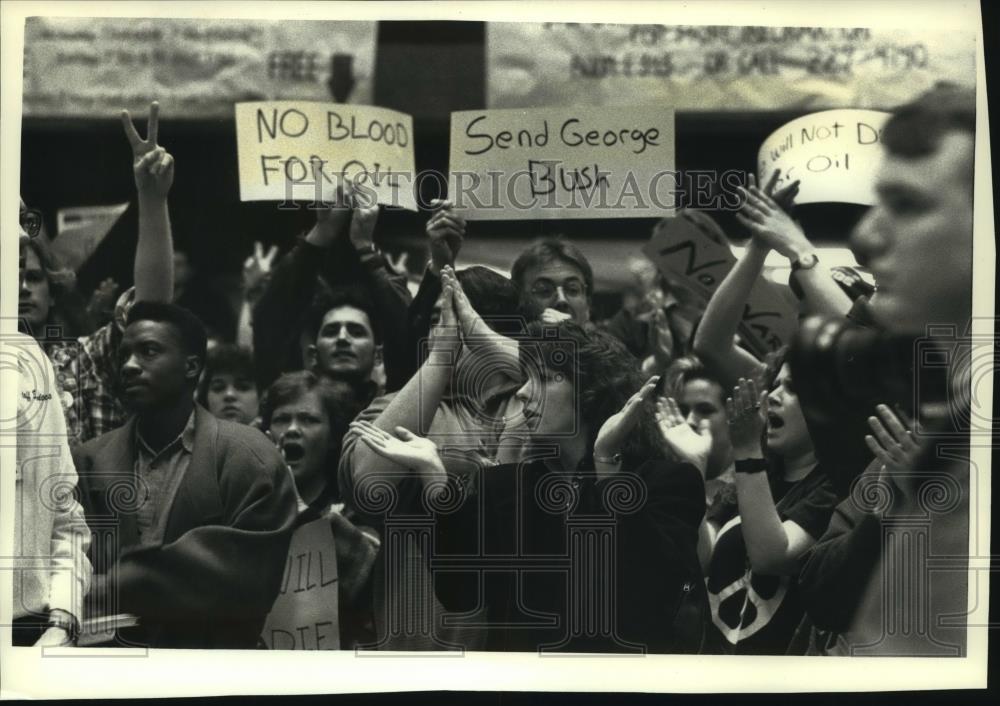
[
  {"x": 555, "y": 282},
  {"x": 86, "y": 366}
]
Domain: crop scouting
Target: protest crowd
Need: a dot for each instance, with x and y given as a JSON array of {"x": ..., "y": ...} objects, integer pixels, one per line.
[{"x": 477, "y": 462}]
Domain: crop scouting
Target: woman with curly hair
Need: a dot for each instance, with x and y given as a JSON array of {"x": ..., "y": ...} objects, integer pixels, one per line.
[
  {"x": 594, "y": 528},
  {"x": 785, "y": 501}
]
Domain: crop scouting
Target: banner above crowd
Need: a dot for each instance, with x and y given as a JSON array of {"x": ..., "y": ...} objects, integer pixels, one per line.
[
  {"x": 579, "y": 162},
  {"x": 719, "y": 68},
  {"x": 196, "y": 68}
]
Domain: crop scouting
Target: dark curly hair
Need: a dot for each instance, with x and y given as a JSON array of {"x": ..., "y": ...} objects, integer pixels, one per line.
[{"x": 604, "y": 373}]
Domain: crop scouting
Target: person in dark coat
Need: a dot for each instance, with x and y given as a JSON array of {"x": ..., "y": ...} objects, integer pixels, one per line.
[{"x": 193, "y": 515}]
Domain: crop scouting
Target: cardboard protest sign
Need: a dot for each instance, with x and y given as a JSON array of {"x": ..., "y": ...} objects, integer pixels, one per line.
[
  {"x": 681, "y": 251},
  {"x": 196, "y": 67},
  {"x": 278, "y": 140},
  {"x": 79, "y": 230},
  {"x": 304, "y": 615},
  {"x": 565, "y": 163},
  {"x": 720, "y": 67},
  {"x": 834, "y": 154}
]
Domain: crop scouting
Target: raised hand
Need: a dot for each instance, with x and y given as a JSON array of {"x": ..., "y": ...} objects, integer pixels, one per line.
[
  {"x": 746, "y": 412},
  {"x": 404, "y": 448},
  {"x": 256, "y": 270},
  {"x": 363, "y": 217},
  {"x": 152, "y": 166},
  {"x": 611, "y": 438},
  {"x": 895, "y": 447},
  {"x": 689, "y": 444},
  {"x": 769, "y": 223},
  {"x": 785, "y": 196},
  {"x": 334, "y": 210},
  {"x": 446, "y": 231},
  {"x": 445, "y": 335}
]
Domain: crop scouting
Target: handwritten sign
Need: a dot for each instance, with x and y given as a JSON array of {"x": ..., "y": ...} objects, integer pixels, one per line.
[
  {"x": 80, "y": 229},
  {"x": 278, "y": 141},
  {"x": 576, "y": 163},
  {"x": 682, "y": 251},
  {"x": 304, "y": 616},
  {"x": 834, "y": 154},
  {"x": 722, "y": 68},
  {"x": 197, "y": 68}
]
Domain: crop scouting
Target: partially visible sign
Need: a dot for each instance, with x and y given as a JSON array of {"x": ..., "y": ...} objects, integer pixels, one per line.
[
  {"x": 725, "y": 68},
  {"x": 681, "y": 251},
  {"x": 93, "y": 67},
  {"x": 304, "y": 616},
  {"x": 79, "y": 230},
  {"x": 563, "y": 163},
  {"x": 833, "y": 154},
  {"x": 279, "y": 141}
]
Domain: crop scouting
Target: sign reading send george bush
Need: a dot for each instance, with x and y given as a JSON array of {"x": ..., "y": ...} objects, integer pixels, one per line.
[{"x": 563, "y": 163}]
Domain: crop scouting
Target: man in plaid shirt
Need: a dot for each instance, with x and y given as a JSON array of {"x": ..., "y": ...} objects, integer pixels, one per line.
[{"x": 86, "y": 367}]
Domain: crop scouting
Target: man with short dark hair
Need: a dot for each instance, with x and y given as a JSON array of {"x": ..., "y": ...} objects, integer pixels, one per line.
[
  {"x": 204, "y": 507},
  {"x": 329, "y": 301},
  {"x": 861, "y": 581}
]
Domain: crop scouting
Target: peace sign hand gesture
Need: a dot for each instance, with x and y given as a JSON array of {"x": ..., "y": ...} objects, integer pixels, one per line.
[{"x": 152, "y": 165}]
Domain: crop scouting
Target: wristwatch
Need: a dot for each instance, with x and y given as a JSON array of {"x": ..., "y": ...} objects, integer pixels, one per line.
[{"x": 806, "y": 262}]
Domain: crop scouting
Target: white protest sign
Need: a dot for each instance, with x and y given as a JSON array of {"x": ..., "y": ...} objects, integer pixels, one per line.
[
  {"x": 305, "y": 614},
  {"x": 278, "y": 140},
  {"x": 79, "y": 230},
  {"x": 681, "y": 250},
  {"x": 833, "y": 153},
  {"x": 563, "y": 163}
]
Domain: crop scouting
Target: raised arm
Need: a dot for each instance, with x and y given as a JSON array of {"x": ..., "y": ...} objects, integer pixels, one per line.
[
  {"x": 387, "y": 289},
  {"x": 153, "y": 168},
  {"x": 773, "y": 226},
  {"x": 774, "y": 547},
  {"x": 714, "y": 341},
  {"x": 445, "y": 233}
]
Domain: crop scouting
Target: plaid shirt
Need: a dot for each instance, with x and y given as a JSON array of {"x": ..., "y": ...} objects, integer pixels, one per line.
[{"x": 87, "y": 373}]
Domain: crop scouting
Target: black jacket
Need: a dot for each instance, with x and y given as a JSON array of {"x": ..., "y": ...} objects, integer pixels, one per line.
[{"x": 557, "y": 556}]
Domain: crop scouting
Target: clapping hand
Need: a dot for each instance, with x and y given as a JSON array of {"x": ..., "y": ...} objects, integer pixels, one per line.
[
  {"x": 894, "y": 446},
  {"x": 364, "y": 214},
  {"x": 446, "y": 231},
  {"x": 611, "y": 438},
  {"x": 152, "y": 166},
  {"x": 746, "y": 419},
  {"x": 689, "y": 444},
  {"x": 334, "y": 212},
  {"x": 445, "y": 335},
  {"x": 404, "y": 448},
  {"x": 768, "y": 222}
]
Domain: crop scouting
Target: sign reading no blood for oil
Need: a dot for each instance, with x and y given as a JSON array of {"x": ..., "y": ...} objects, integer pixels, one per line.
[{"x": 278, "y": 142}]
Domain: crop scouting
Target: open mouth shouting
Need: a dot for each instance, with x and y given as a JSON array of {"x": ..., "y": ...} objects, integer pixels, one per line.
[{"x": 293, "y": 451}]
